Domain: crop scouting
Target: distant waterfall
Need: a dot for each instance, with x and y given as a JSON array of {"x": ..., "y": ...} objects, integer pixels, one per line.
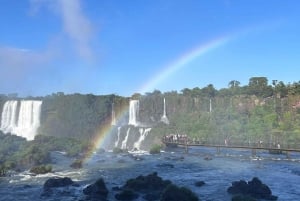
[
  {"x": 143, "y": 135},
  {"x": 113, "y": 115},
  {"x": 28, "y": 119},
  {"x": 133, "y": 112},
  {"x": 164, "y": 118},
  {"x": 118, "y": 139},
  {"x": 124, "y": 142}
]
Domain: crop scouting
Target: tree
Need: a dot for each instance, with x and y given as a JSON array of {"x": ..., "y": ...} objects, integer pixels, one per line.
[
  {"x": 209, "y": 91},
  {"x": 234, "y": 84}
]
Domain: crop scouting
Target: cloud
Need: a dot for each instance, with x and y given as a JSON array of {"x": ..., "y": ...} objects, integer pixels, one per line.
[
  {"x": 19, "y": 66},
  {"x": 76, "y": 26},
  {"x": 17, "y": 58}
]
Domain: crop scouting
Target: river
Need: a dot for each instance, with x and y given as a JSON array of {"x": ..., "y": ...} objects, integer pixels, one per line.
[{"x": 280, "y": 174}]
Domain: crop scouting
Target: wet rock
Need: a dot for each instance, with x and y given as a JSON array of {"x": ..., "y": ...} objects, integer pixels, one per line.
[
  {"x": 165, "y": 165},
  {"x": 56, "y": 182},
  {"x": 151, "y": 196},
  {"x": 207, "y": 158},
  {"x": 151, "y": 182},
  {"x": 199, "y": 183},
  {"x": 242, "y": 198},
  {"x": 175, "y": 193},
  {"x": 55, "y": 186},
  {"x": 96, "y": 191},
  {"x": 127, "y": 195},
  {"x": 254, "y": 188},
  {"x": 77, "y": 164},
  {"x": 116, "y": 188}
]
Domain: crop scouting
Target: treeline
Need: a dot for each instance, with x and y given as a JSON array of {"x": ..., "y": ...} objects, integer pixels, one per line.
[{"x": 239, "y": 114}]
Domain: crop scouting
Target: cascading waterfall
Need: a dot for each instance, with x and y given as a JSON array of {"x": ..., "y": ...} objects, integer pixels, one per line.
[
  {"x": 164, "y": 118},
  {"x": 118, "y": 138},
  {"x": 28, "y": 119},
  {"x": 143, "y": 135},
  {"x": 124, "y": 142},
  {"x": 133, "y": 112},
  {"x": 113, "y": 115},
  {"x": 9, "y": 115}
]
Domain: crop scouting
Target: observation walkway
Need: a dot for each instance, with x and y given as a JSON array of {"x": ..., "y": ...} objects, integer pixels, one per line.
[{"x": 186, "y": 143}]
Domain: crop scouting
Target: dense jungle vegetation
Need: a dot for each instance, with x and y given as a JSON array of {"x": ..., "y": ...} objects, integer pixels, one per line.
[{"x": 255, "y": 112}]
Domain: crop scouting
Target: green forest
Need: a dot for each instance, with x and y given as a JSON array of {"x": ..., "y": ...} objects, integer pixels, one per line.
[{"x": 242, "y": 115}]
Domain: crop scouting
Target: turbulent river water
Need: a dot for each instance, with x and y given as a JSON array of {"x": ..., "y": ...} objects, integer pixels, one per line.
[{"x": 280, "y": 174}]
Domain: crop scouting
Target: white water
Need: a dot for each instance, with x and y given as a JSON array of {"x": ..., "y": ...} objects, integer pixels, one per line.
[
  {"x": 133, "y": 112},
  {"x": 143, "y": 135},
  {"x": 118, "y": 139},
  {"x": 8, "y": 120},
  {"x": 164, "y": 118},
  {"x": 124, "y": 142},
  {"x": 113, "y": 115},
  {"x": 28, "y": 120}
]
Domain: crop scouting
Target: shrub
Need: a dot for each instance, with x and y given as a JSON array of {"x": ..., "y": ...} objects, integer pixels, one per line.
[
  {"x": 41, "y": 169},
  {"x": 155, "y": 149}
]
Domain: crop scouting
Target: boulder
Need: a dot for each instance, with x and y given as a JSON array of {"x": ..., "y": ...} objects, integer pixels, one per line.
[
  {"x": 57, "y": 185},
  {"x": 126, "y": 195},
  {"x": 96, "y": 191},
  {"x": 151, "y": 182},
  {"x": 254, "y": 188},
  {"x": 199, "y": 183},
  {"x": 175, "y": 193},
  {"x": 56, "y": 182}
]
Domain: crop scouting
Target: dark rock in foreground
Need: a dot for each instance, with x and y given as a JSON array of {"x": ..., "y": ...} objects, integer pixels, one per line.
[
  {"x": 151, "y": 182},
  {"x": 154, "y": 188},
  {"x": 58, "y": 187},
  {"x": 254, "y": 188},
  {"x": 56, "y": 182},
  {"x": 96, "y": 191},
  {"x": 175, "y": 193},
  {"x": 199, "y": 183},
  {"x": 126, "y": 195}
]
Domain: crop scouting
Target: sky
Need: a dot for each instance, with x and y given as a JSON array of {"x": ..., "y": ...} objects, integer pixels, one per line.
[{"x": 137, "y": 46}]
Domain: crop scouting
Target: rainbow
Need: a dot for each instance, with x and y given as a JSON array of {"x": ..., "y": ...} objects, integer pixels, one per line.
[
  {"x": 179, "y": 63},
  {"x": 183, "y": 61},
  {"x": 174, "y": 66}
]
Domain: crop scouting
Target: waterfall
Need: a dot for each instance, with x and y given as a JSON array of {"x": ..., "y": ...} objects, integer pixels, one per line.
[
  {"x": 113, "y": 115},
  {"x": 9, "y": 115},
  {"x": 143, "y": 135},
  {"x": 133, "y": 112},
  {"x": 28, "y": 119},
  {"x": 210, "y": 106},
  {"x": 124, "y": 142},
  {"x": 164, "y": 118},
  {"x": 118, "y": 139}
]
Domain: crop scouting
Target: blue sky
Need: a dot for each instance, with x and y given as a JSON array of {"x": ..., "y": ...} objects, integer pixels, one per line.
[{"x": 123, "y": 47}]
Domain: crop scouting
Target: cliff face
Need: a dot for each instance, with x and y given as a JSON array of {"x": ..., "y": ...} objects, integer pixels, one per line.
[{"x": 236, "y": 118}]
